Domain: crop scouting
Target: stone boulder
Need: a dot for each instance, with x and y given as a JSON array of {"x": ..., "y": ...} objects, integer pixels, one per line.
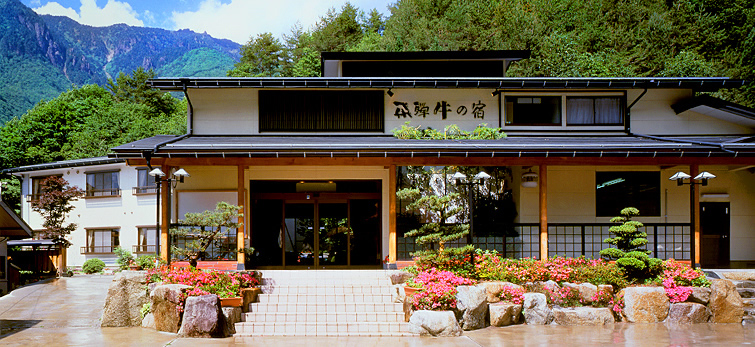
[
  {"x": 202, "y": 317},
  {"x": 740, "y": 275},
  {"x": 687, "y": 313},
  {"x": 125, "y": 299},
  {"x": 582, "y": 315},
  {"x": 535, "y": 309},
  {"x": 400, "y": 277},
  {"x": 149, "y": 321},
  {"x": 248, "y": 296},
  {"x": 541, "y": 287},
  {"x": 398, "y": 295},
  {"x": 166, "y": 301},
  {"x": 494, "y": 289},
  {"x": 472, "y": 304},
  {"x": 725, "y": 304},
  {"x": 645, "y": 304},
  {"x": 605, "y": 288},
  {"x": 586, "y": 290},
  {"x": 434, "y": 323},
  {"x": 232, "y": 316},
  {"x": 700, "y": 295},
  {"x": 503, "y": 314}
]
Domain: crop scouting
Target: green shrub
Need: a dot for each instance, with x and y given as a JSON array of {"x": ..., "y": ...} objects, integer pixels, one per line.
[
  {"x": 146, "y": 261},
  {"x": 600, "y": 273},
  {"x": 125, "y": 258},
  {"x": 146, "y": 309},
  {"x": 93, "y": 265},
  {"x": 629, "y": 253},
  {"x": 456, "y": 260}
]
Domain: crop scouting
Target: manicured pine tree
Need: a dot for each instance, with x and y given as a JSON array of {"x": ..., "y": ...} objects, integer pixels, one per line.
[{"x": 629, "y": 253}]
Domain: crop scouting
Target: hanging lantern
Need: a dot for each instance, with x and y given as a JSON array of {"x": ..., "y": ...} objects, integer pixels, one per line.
[{"x": 529, "y": 179}]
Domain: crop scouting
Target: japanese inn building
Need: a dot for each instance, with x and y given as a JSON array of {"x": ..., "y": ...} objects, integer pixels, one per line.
[{"x": 307, "y": 156}]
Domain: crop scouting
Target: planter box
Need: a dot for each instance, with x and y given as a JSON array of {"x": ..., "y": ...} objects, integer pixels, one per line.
[
  {"x": 409, "y": 291},
  {"x": 231, "y": 302}
]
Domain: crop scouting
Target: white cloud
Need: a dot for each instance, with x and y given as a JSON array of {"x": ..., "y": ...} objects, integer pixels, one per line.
[
  {"x": 89, "y": 13},
  {"x": 240, "y": 20}
]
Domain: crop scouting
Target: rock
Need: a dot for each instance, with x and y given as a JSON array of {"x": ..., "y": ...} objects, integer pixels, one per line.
[
  {"x": 748, "y": 303},
  {"x": 472, "y": 303},
  {"x": 541, "y": 287},
  {"x": 398, "y": 295},
  {"x": 232, "y": 316},
  {"x": 434, "y": 323},
  {"x": 551, "y": 286},
  {"x": 744, "y": 284},
  {"x": 166, "y": 306},
  {"x": 249, "y": 295},
  {"x": 645, "y": 304},
  {"x": 746, "y": 293},
  {"x": 605, "y": 288},
  {"x": 125, "y": 299},
  {"x": 535, "y": 309},
  {"x": 687, "y": 313},
  {"x": 582, "y": 316},
  {"x": 740, "y": 275},
  {"x": 202, "y": 317},
  {"x": 503, "y": 314},
  {"x": 725, "y": 304},
  {"x": 148, "y": 321},
  {"x": 586, "y": 290},
  {"x": 700, "y": 295},
  {"x": 400, "y": 277},
  {"x": 493, "y": 289}
]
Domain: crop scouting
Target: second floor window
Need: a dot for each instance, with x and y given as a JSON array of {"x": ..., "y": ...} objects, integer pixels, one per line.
[
  {"x": 103, "y": 184},
  {"x": 36, "y": 189},
  {"x": 145, "y": 184},
  {"x": 585, "y": 110},
  {"x": 533, "y": 110}
]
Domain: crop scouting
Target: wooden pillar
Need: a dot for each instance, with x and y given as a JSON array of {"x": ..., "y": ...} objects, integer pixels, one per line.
[
  {"x": 694, "y": 216},
  {"x": 240, "y": 256},
  {"x": 392, "y": 214},
  {"x": 543, "y": 185},
  {"x": 165, "y": 217}
]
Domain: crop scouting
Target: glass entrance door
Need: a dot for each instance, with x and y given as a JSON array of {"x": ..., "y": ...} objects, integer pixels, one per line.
[{"x": 335, "y": 234}]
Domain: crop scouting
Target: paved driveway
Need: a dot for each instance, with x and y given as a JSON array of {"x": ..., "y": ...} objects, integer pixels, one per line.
[{"x": 66, "y": 312}]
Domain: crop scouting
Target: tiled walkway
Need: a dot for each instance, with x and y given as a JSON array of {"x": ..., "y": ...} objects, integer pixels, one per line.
[{"x": 324, "y": 303}]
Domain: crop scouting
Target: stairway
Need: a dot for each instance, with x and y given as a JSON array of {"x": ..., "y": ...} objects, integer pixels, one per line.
[{"x": 324, "y": 303}]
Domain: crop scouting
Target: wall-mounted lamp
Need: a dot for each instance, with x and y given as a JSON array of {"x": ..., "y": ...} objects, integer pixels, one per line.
[
  {"x": 177, "y": 177},
  {"x": 389, "y": 92},
  {"x": 495, "y": 93},
  {"x": 529, "y": 179}
]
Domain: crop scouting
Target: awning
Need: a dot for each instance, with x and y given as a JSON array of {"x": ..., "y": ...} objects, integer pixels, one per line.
[{"x": 11, "y": 225}]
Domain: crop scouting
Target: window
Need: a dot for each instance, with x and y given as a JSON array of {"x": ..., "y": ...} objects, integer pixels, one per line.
[
  {"x": 36, "y": 190},
  {"x": 147, "y": 241},
  {"x": 144, "y": 183},
  {"x": 101, "y": 241},
  {"x": 103, "y": 184},
  {"x": 533, "y": 110},
  {"x": 587, "y": 110},
  {"x": 321, "y": 111},
  {"x": 616, "y": 190}
]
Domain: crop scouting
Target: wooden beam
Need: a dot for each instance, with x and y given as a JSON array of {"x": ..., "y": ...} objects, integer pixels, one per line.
[
  {"x": 165, "y": 217},
  {"x": 240, "y": 256},
  {"x": 694, "y": 170},
  {"x": 543, "y": 184},
  {"x": 392, "y": 254}
]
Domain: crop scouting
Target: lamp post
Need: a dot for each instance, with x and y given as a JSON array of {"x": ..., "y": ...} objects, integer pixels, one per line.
[
  {"x": 460, "y": 179},
  {"x": 703, "y": 177},
  {"x": 176, "y": 177}
]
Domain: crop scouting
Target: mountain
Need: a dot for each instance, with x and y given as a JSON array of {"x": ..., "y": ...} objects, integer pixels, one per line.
[{"x": 42, "y": 55}]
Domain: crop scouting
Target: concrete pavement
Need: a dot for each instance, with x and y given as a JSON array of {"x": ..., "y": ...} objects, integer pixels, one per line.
[{"x": 66, "y": 312}]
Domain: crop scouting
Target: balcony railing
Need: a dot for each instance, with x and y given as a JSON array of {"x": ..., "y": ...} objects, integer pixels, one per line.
[
  {"x": 97, "y": 249},
  {"x": 144, "y": 249},
  {"x": 32, "y": 197},
  {"x": 103, "y": 192},
  {"x": 665, "y": 240},
  {"x": 144, "y": 190}
]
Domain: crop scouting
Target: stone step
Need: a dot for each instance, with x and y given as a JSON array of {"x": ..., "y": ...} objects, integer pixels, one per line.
[
  {"x": 328, "y": 289},
  {"x": 323, "y": 317},
  {"x": 333, "y": 282},
  {"x": 749, "y": 303},
  {"x": 746, "y": 293},
  {"x": 322, "y": 298},
  {"x": 322, "y": 307},
  {"x": 246, "y": 329}
]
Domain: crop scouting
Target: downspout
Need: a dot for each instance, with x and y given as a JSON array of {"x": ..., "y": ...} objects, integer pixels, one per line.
[
  {"x": 190, "y": 109},
  {"x": 629, "y": 110}
]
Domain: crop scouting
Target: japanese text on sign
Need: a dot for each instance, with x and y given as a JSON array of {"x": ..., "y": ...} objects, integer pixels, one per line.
[{"x": 444, "y": 108}]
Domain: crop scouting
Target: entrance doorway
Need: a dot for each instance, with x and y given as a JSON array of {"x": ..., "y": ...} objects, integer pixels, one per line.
[
  {"x": 316, "y": 230},
  {"x": 714, "y": 234}
]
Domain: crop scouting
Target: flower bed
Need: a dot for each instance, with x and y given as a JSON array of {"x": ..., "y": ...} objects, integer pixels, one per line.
[{"x": 222, "y": 284}]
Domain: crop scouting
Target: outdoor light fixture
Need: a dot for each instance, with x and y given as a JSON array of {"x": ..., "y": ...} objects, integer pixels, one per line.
[
  {"x": 703, "y": 177},
  {"x": 495, "y": 93},
  {"x": 177, "y": 177},
  {"x": 529, "y": 179},
  {"x": 389, "y": 92}
]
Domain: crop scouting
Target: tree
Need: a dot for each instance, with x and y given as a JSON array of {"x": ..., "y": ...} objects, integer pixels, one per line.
[
  {"x": 134, "y": 88},
  {"x": 206, "y": 228},
  {"x": 54, "y": 204},
  {"x": 262, "y": 56},
  {"x": 629, "y": 253}
]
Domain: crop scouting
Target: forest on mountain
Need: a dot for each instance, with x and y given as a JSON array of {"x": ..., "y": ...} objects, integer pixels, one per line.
[{"x": 568, "y": 38}]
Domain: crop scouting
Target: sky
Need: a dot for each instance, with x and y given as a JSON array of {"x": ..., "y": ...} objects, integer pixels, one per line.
[{"x": 236, "y": 20}]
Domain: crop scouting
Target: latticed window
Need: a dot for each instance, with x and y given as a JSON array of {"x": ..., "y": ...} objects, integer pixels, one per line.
[
  {"x": 101, "y": 241},
  {"x": 103, "y": 184}
]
